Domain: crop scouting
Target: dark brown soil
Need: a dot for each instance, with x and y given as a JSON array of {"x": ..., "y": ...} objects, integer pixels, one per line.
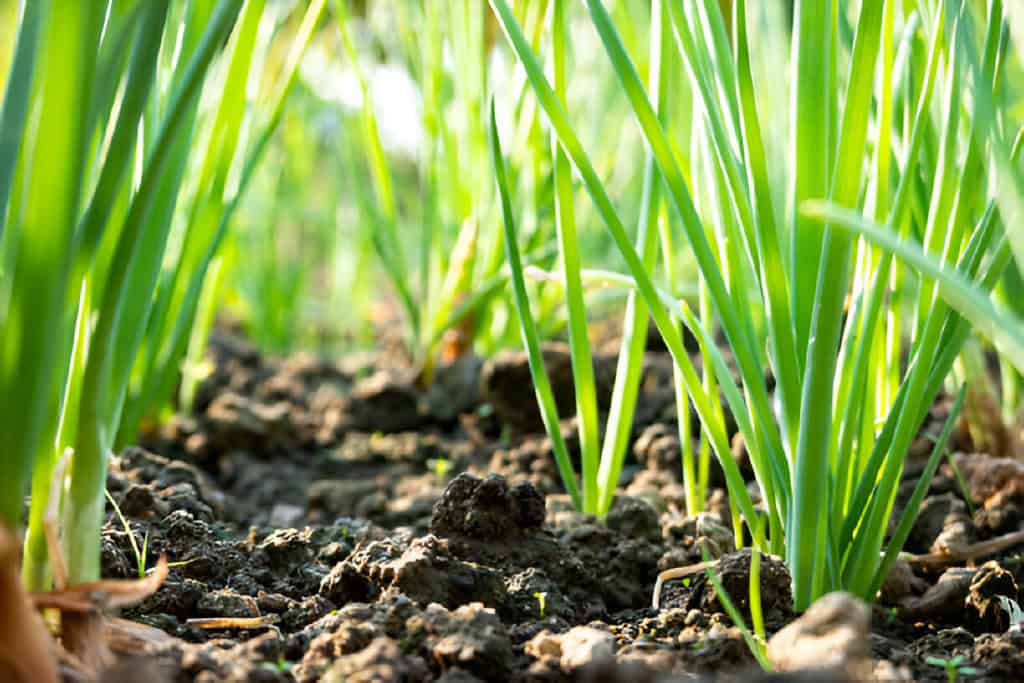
[{"x": 385, "y": 533}]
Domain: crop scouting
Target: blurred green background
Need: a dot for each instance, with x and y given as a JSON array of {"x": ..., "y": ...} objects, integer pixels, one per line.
[
  {"x": 317, "y": 258},
  {"x": 301, "y": 268}
]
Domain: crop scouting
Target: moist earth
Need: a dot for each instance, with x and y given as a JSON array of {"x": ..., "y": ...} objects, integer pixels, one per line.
[{"x": 353, "y": 526}]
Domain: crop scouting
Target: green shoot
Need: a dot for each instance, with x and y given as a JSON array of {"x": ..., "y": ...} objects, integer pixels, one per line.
[
  {"x": 541, "y": 384},
  {"x": 280, "y": 665},
  {"x": 140, "y": 553},
  {"x": 756, "y": 613},
  {"x": 953, "y": 666},
  {"x": 565, "y": 221},
  {"x": 601, "y": 464},
  {"x": 440, "y": 467},
  {"x": 542, "y": 603}
]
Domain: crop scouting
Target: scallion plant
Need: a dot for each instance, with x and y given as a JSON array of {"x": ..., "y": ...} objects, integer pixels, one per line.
[
  {"x": 422, "y": 215},
  {"x": 878, "y": 126},
  {"x": 430, "y": 251},
  {"x": 602, "y": 461},
  {"x": 100, "y": 114},
  {"x": 235, "y": 138}
]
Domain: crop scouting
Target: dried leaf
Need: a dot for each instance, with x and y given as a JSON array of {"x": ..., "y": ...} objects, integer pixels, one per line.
[
  {"x": 234, "y": 622},
  {"x": 103, "y": 594},
  {"x": 130, "y": 636},
  {"x": 27, "y": 652}
]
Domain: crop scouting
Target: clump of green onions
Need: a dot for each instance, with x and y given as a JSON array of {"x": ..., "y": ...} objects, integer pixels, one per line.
[
  {"x": 601, "y": 464},
  {"x": 878, "y": 126},
  {"x": 420, "y": 219},
  {"x": 442, "y": 274},
  {"x": 99, "y": 118},
  {"x": 236, "y": 139}
]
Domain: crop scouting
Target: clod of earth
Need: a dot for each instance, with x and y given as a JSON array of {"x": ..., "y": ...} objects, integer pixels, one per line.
[
  {"x": 506, "y": 385},
  {"x": 831, "y": 635}
]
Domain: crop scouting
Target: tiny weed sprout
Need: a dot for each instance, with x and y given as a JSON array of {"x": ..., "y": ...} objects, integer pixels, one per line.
[
  {"x": 139, "y": 552},
  {"x": 953, "y": 666},
  {"x": 542, "y": 603},
  {"x": 440, "y": 467},
  {"x": 842, "y": 244},
  {"x": 280, "y": 665}
]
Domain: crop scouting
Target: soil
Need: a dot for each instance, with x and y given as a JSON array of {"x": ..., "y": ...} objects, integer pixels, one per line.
[{"x": 358, "y": 528}]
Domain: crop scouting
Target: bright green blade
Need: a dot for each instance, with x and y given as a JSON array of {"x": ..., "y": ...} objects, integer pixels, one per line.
[
  {"x": 971, "y": 301},
  {"x": 527, "y": 327}
]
